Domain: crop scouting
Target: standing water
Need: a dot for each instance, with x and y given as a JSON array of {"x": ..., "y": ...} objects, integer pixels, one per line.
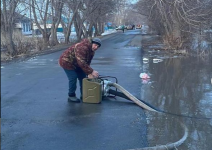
[{"x": 181, "y": 86}]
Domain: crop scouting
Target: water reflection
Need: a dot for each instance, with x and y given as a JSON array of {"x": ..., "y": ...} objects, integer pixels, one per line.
[
  {"x": 181, "y": 86},
  {"x": 202, "y": 46}
]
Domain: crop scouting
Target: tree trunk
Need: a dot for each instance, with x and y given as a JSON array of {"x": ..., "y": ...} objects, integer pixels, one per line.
[
  {"x": 7, "y": 25},
  {"x": 67, "y": 29},
  {"x": 44, "y": 31},
  {"x": 10, "y": 44},
  {"x": 78, "y": 26},
  {"x": 45, "y": 39},
  {"x": 96, "y": 30},
  {"x": 90, "y": 30},
  {"x": 54, "y": 40},
  {"x": 56, "y": 11}
]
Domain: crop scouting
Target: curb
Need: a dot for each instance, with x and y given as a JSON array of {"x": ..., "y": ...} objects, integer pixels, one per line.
[{"x": 33, "y": 54}]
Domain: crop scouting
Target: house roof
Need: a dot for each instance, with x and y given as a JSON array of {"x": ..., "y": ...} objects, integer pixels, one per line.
[{"x": 21, "y": 18}]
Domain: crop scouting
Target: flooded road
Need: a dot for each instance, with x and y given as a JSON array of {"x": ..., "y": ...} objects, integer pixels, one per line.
[{"x": 182, "y": 87}]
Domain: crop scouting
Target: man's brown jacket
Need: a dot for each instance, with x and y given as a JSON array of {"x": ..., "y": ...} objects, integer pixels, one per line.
[{"x": 78, "y": 55}]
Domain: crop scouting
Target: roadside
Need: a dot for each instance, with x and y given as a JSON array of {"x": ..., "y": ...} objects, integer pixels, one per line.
[{"x": 7, "y": 59}]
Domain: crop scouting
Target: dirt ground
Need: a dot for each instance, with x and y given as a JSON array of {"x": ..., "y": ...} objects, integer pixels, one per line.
[{"x": 5, "y": 58}]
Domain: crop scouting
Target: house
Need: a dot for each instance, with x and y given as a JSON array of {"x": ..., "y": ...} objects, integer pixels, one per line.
[
  {"x": 23, "y": 24},
  {"x": 49, "y": 25}
]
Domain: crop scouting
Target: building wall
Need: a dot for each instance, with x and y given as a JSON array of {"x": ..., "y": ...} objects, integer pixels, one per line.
[{"x": 25, "y": 27}]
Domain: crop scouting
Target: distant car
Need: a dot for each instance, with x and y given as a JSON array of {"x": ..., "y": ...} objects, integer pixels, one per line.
[
  {"x": 119, "y": 28},
  {"x": 129, "y": 27},
  {"x": 138, "y": 26}
]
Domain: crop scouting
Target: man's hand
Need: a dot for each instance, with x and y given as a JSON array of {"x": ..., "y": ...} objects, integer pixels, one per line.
[
  {"x": 90, "y": 76},
  {"x": 95, "y": 74}
]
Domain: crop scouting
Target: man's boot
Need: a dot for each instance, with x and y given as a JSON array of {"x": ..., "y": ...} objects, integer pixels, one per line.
[{"x": 73, "y": 99}]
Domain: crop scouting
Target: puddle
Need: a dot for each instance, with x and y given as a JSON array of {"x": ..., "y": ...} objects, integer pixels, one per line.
[{"x": 181, "y": 86}]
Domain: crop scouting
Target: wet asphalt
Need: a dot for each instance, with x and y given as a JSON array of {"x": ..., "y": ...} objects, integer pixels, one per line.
[{"x": 35, "y": 114}]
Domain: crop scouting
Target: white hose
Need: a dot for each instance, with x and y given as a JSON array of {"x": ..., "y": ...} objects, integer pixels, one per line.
[
  {"x": 146, "y": 107},
  {"x": 168, "y": 146},
  {"x": 133, "y": 98}
]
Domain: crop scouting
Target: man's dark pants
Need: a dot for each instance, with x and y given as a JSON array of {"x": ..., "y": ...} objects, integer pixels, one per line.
[{"x": 73, "y": 75}]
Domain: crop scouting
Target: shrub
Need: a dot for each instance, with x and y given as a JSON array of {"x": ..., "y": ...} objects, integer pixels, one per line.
[{"x": 23, "y": 44}]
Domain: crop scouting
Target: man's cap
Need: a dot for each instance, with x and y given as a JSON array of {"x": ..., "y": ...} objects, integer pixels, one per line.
[{"x": 96, "y": 41}]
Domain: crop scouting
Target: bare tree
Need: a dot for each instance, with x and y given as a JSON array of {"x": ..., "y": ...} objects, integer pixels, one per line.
[
  {"x": 41, "y": 14},
  {"x": 106, "y": 7},
  {"x": 56, "y": 11},
  {"x": 85, "y": 15},
  {"x": 120, "y": 9},
  {"x": 7, "y": 23},
  {"x": 96, "y": 13},
  {"x": 69, "y": 13},
  {"x": 176, "y": 20},
  {"x": 84, "y": 11}
]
